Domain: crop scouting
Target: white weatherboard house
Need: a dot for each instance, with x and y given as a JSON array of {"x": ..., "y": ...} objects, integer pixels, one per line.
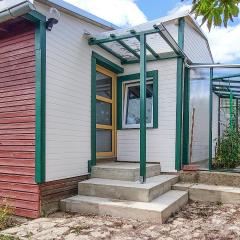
[{"x": 73, "y": 96}]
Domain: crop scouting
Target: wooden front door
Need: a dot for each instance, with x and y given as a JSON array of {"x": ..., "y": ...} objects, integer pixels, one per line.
[{"x": 105, "y": 113}]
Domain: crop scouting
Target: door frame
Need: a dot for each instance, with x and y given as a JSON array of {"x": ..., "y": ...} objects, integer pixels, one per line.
[
  {"x": 97, "y": 59},
  {"x": 112, "y": 101}
]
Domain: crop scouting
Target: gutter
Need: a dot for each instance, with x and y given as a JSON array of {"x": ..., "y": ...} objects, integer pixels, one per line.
[{"x": 16, "y": 10}]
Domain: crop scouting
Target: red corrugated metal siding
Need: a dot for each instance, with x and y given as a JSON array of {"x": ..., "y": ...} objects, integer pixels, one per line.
[{"x": 17, "y": 117}]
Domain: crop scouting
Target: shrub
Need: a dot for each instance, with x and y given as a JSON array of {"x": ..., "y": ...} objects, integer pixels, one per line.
[
  {"x": 5, "y": 214},
  {"x": 228, "y": 150}
]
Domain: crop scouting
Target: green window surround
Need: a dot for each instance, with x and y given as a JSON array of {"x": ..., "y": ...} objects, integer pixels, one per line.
[{"x": 133, "y": 77}]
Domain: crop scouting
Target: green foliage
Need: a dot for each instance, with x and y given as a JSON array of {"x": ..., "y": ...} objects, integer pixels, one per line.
[
  {"x": 216, "y": 12},
  {"x": 5, "y": 214},
  {"x": 8, "y": 237},
  {"x": 228, "y": 150}
]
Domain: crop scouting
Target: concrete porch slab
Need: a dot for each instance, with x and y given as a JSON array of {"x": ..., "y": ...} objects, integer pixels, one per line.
[
  {"x": 156, "y": 211},
  {"x": 123, "y": 171},
  {"x": 127, "y": 190}
]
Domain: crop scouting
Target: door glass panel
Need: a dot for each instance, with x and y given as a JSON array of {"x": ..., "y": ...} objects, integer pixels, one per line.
[
  {"x": 103, "y": 85},
  {"x": 104, "y": 140},
  {"x": 104, "y": 113}
]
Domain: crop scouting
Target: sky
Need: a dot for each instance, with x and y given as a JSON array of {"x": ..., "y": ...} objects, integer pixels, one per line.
[{"x": 224, "y": 42}]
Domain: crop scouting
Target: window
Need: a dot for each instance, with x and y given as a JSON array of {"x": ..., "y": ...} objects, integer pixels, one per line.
[
  {"x": 132, "y": 104},
  {"x": 128, "y": 100}
]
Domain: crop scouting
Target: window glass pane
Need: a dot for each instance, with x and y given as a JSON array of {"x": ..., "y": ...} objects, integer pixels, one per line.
[
  {"x": 133, "y": 104},
  {"x": 103, "y": 140},
  {"x": 103, "y": 85},
  {"x": 103, "y": 113}
]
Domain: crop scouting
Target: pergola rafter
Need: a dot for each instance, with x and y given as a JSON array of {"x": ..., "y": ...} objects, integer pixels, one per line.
[{"x": 123, "y": 40}]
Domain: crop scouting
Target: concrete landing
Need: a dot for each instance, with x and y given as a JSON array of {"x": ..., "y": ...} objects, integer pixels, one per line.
[
  {"x": 210, "y": 193},
  {"x": 157, "y": 210},
  {"x": 123, "y": 171},
  {"x": 127, "y": 190}
]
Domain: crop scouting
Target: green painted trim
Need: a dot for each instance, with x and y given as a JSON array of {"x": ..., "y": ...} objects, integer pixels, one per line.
[
  {"x": 210, "y": 121},
  {"x": 100, "y": 60},
  {"x": 186, "y": 100},
  {"x": 143, "y": 124},
  {"x": 35, "y": 16},
  {"x": 131, "y": 77},
  {"x": 179, "y": 101},
  {"x": 40, "y": 87},
  {"x": 93, "y": 109}
]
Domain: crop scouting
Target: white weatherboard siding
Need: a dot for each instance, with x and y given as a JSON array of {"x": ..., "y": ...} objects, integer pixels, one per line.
[
  {"x": 195, "y": 45},
  {"x": 68, "y": 97},
  {"x": 160, "y": 141}
]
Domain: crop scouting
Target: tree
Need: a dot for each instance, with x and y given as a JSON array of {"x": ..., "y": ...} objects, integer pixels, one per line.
[{"x": 215, "y": 12}]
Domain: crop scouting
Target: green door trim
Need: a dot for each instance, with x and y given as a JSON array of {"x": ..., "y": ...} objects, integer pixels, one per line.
[
  {"x": 179, "y": 97},
  {"x": 186, "y": 99},
  {"x": 97, "y": 59},
  {"x": 40, "y": 94}
]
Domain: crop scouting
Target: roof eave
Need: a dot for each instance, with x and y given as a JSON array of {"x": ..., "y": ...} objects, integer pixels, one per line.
[{"x": 79, "y": 13}]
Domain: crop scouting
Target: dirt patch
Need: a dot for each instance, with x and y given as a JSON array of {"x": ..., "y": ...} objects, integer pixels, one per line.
[{"x": 200, "y": 221}]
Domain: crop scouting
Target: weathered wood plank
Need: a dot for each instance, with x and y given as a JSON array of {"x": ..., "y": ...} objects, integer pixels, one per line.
[
  {"x": 17, "y": 125},
  {"x": 16, "y": 154},
  {"x": 17, "y": 162},
  {"x": 17, "y": 108},
  {"x": 16, "y": 114},
  {"x": 15, "y": 136},
  {"x": 26, "y": 119},
  {"x": 10, "y": 58},
  {"x": 12, "y": 178},
  {"x": 26, "y": 171}
]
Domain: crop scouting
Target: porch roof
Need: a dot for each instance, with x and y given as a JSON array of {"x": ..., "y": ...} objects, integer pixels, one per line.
[{"x": 161, "y": 41}]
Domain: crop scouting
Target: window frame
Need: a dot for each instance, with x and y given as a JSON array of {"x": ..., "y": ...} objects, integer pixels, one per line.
[
  {"x": 125, "y": 104},
  {"x": 122, "y": 81}
]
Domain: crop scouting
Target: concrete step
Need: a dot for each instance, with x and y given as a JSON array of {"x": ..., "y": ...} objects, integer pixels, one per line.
[
  {"x": 123, "y": 171},
  {"x": 182, "y": 186},
  {"x": 210, "y": 193},
  {"x": 127, "y": 190},
  {"x": 158, "y": 210}
]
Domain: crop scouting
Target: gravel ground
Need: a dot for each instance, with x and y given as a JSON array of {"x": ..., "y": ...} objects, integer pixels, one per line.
[{"x": 195, "y": 221}]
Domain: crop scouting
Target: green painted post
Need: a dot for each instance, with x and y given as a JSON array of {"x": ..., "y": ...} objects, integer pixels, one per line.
[
  {"x": 185, "y": 157},
  {"x": 143, "y": 108},
  {"x": 231, "y": 110},
  {"x": 179, "y": 103},
  {"x": 210, "y": 120},
  {"x": 93, "y": 111},
  {"x": 237, "y": 115}
]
